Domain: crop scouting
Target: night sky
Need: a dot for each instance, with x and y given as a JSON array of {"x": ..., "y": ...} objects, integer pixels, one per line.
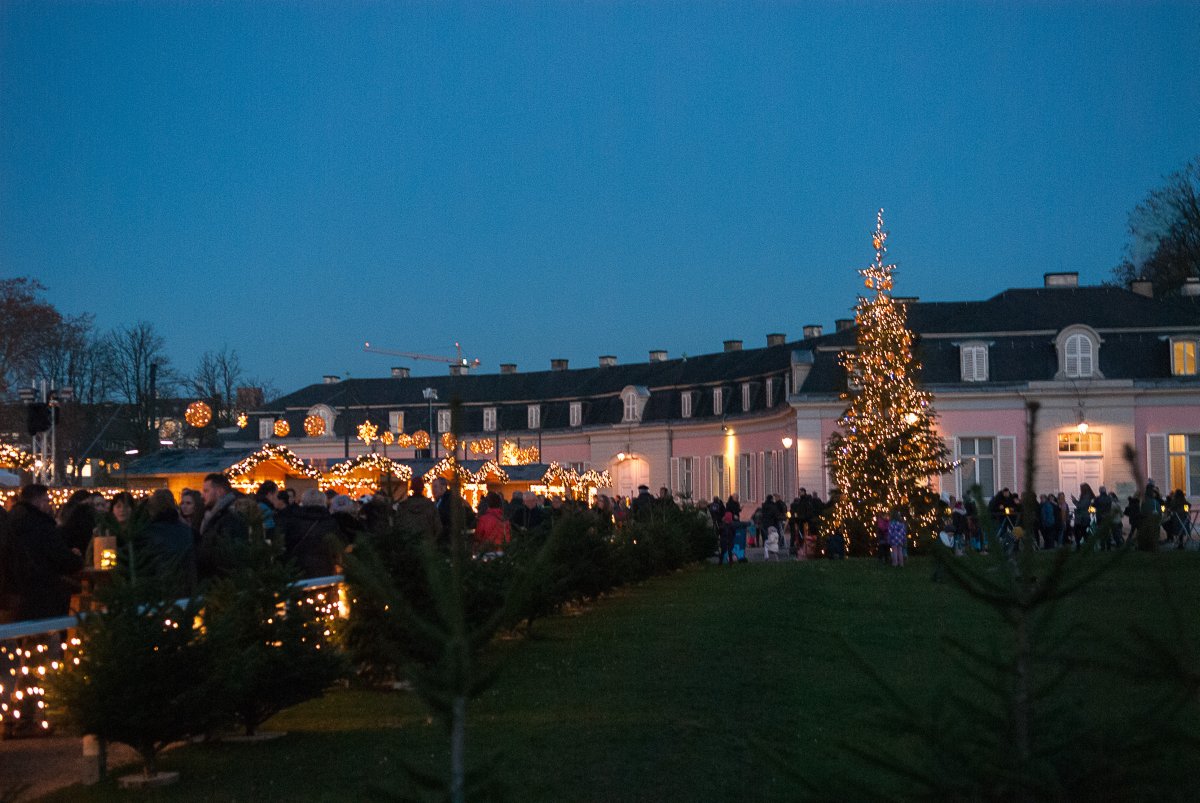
[{"x": 566, "y": 180}]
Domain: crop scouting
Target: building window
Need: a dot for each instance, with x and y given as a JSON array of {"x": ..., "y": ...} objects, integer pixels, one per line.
[
  {"x": 685, "y": 404},
  {"x": 978, "y": 464},
  {"x": 534, "y": 416},
  {"x": 682, "y": 469},
  {"x": 395, "y": 422},
  {"x": 266, "y": 428},
  {"x": 718, "y": 401},
  {"x": 974, "y": 360},
  {"x": 576, "y": 414},
  {"x": 1183, "y": 458},
  {"x": 716, "y": 476},
  {"x": 1077, "y": 353},
  {"x": 489, "y": 419},
  {"x": 746, "y": 477},
  {"x": 631, "y": 408},
  {"x": 443, "y": 419},
  {"x": 1183, "y": 357},
  {"x": 770, "y": 391},
  {"x": 1074, "y": 442},
  {"x": 745, "y": 397}
]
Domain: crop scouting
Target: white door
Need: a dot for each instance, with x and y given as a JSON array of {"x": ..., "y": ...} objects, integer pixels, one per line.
[
  {"x": 629, "y": 474},
  {"x": 1074, "y": 471}
]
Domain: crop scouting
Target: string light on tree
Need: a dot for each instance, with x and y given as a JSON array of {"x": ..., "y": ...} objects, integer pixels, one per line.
[
  {"x": 282, "y": 428},
  {"x": 887, "y": 448},
  {"x": 243, "y": 420},
  {"x": 314, "y": 426}
]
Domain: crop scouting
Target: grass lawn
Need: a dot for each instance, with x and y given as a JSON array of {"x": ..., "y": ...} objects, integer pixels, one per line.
[{"x": 697, "y": 686}]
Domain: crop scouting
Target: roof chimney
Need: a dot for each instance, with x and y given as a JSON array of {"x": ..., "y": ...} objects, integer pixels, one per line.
[
  {"x": 558, "y": 365},
  {"x": 842, "y": 324},
  {"x": 1068, "y": 279},
  {"x": 1143, "y": 287},
  {"x": 508, "y": 367},
  {"x": 1191, "y": 287},
  {"x": 330, "y": 379},
  {"x": 607, "y": 361},
  {"x": 776, "y": 339},
  {"x": 457, "y": 369},
  {"x": 733, "y": 345},
  {"x": 399, "y": 372},
  {"x": 812, "y": 330},
  {"x": 658, "y": 355}
]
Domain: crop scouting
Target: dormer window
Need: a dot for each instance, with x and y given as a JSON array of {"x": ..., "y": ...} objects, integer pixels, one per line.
[
  {"x": 443, "y": 421},
  {"x": 395, "y": 422},
  {"x": 326, "y": 414},
  {"x": 576, "y": 414},
  {"x": 633, "y": 399},
  {"x": 1078, "y": 353},
  {"x": 718, "y": 401},
  {"x": 973, "y": 358},
  {"x": 1183, "y": 357},
  {"x": 770, "y": 392},
  {"x": 745, "y": 397},
  {"x": 533, "y": 416},
  {"x": 685, "y": 404},
  {"x": 489, "y": 419}
]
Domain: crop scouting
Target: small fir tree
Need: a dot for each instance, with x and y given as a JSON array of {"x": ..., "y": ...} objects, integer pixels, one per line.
[{"x": 888, "y": 447}]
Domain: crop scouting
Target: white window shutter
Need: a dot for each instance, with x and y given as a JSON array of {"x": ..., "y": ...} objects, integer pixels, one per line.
[
  {"x": 1006, "y": 463},
  {"x": 967, "y": 363},
  {"x": 1156, "y": 459},
  {"x": 1085, "y": 357},
  {"x": 1072, "y": 356},
  {"x": 674, "y": 474}
]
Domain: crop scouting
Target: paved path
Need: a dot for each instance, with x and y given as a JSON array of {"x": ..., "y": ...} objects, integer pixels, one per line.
[{"x": 42, "y": 764}]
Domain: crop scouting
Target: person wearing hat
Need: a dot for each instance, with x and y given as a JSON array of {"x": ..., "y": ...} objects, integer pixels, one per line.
[{"x": 642, "y": 505}]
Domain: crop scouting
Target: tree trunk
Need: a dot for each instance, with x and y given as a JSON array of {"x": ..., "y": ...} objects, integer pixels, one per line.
[{"x": 458, "y": 749}]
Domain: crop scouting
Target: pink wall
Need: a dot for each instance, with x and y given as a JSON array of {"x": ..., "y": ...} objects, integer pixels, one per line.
[{"x": 1178, "y": 418}]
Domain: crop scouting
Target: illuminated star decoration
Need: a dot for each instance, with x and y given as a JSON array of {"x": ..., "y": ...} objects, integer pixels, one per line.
[{"x": 367, "y": 431}]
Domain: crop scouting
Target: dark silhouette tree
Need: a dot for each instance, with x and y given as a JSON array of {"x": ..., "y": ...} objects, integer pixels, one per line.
[{"x": 1164, "y": 233}]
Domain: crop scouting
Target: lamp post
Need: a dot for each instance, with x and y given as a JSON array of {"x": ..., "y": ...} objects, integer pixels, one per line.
[
  {"x": 430, "y": 395},
  {"x": 42, "y": 401},
  {"x": 787, "y": 474}
]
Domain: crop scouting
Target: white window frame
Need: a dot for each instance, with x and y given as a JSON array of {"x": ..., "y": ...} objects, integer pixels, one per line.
[
  {"x": 266, "y": 429},
  {"x": 973, "y": 361},
  {"x": 685, "y": 404},
  {"x": 576, "y": 414},
  {"x": 533, "y": 416},
  {"x": 968, "y": 470},
  {"x": 443, "y": 420},
  {"x": 1180, "y": 457},
  {"x": 745, "y": 397},
  {"x": 770, "y": 389},
  {"x": 395, "y": 421},
  {"x": 630, "y": 401},
  {"x": 1078, "y": 348},
  {"x": 1183, "y": 356},
  {"x": 489, "y": 419},
  {"x": 718, "y": 401}
]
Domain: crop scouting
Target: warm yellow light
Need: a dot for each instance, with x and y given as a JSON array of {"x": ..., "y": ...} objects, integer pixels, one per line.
[
  {"x": 282, "y": 428},
  {"x": 1083, "y": 427},
  {"x": 620, "y": 457},
  {"x": 910, "y": 419},
  {"x": 242, "y": 420},
  {"x": 198, "y": 414},
  {"x": 388, "y": 438},
  {"x": 787, "y": 443},
  {"x": 420, "y": 439},
  {"x": 314, "y": 426},
  {"x": 367, "y": 431},
  {"x": 449, "y": 442}
]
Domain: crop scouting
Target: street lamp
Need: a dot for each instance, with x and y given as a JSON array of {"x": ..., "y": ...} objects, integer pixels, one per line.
[
  {"x": 787, "y": 475},
  {"x": 430, "y": 395}
]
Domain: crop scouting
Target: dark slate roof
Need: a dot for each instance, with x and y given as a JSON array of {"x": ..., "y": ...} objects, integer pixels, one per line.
[
  {"x": 186, "y": 461},
  {"x": 1006, "y": 322}
]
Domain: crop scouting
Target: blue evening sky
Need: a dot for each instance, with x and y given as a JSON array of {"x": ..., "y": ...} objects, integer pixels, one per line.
[{"x": 543, "y": 180}]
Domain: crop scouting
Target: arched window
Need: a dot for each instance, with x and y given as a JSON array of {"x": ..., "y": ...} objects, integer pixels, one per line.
[{"x": 1078, "y": 353}]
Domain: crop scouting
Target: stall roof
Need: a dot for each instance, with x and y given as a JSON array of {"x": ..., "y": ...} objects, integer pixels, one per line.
[{"x": 186, "y": 461}]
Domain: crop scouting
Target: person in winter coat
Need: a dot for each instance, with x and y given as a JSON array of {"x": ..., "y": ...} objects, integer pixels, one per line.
[
  {"x": 42, "y": 562},
  {"x": 897, "y": 537},
  {"x": 222, "y": 530},
  {"x": 311, "y": 537},
  {"x": 492, "y": 533},
  {"x": 417, "y": 514},
  {"x": 165, "y": 549}
]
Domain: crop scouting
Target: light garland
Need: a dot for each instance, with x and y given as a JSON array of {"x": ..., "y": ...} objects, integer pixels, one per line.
[
  {"x": 387, "y": 437},
  {"x": 404, "y": 441},
  {"x": 271, "y": 451},
  {"x": 60, "y": 494},
  {"x": 282, "y": 428},
  {"x": 449, "y": 442},
  {"x": 491, "y": 471},
  {"x": 314, "y": 426},
  {"x": 198, "y": 414},
  {"x": 513, "y": 455},
  {"x": 482, "y": 446},
  {"x": 15, "y": 457},
  {"x": 420, "y": 439},
  {"x": 243, "y": 420},
  {"x": 361, "y": 475}
]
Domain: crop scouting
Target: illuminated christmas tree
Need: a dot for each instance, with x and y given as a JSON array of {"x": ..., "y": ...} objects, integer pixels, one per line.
[{"x": 888, "y": 448}]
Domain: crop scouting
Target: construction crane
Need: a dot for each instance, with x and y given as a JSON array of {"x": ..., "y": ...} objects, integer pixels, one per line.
[{"x": 460, "y": 361}]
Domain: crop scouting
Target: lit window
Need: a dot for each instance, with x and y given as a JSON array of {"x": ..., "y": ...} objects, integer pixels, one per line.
[
  {"x": 576, "y": 413},
  {"x": 974, "y": 360},
  {"x": 489, "y": 419},
  {"x": 1183, "y": 357},
  {"x": 1079, "y": 442},
  {"x": 395, "y": 422},
  {"x": 534, "y": 416},
  {"x": 1183, "y": 458}
]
